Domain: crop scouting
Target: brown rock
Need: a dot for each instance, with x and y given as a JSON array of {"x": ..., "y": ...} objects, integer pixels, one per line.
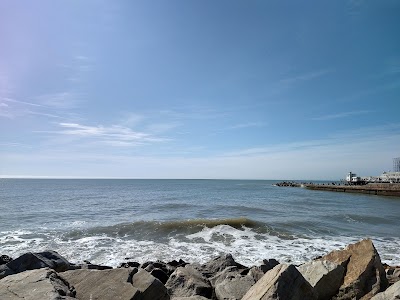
[
  {"x": 364, "y": 275},
  {"x": 150, "y": 287},
  {"x": 283, "y": 282}
]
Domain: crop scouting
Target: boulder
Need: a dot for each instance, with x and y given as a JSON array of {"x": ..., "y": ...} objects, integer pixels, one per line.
[
  {"x": 102, "y": 284},
  {"x": 231, "y": 284},
  {"x": 364, "y": 273},
  {"x": 129, "y": 264},
  {"x": 150, "y": 287},
  {"x": 160, "y": 275},
  {"x": 4, "y": 259},
  {"x": 283, "y": 282},
  {"x": 190, "y": 298},
  {"x": 392, "y": 274},
  {"x": 392, "y": 293},
  {"x": 5, "y": 271},
  {"x": 31, "y": 261},
  {"x": 39, "y": 284},
  {"x": 218, "y": 264},
  {"x": 324, "y": 276},
  {"x": 188, "y": 281},
  {"x": 268, "y": 264}
]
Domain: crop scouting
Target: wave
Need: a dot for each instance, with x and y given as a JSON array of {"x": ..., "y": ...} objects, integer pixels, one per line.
[{"x": 161, "y": 229}]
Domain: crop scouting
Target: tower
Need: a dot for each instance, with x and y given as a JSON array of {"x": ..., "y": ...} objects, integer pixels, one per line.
[{"x": 396, "y": 164}]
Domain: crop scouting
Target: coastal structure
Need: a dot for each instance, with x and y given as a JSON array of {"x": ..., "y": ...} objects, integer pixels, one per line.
[{"x": 396, "y": 164}]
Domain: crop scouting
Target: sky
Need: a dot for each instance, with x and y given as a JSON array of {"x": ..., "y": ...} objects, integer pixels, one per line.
[{"x": 199, "y": 89}]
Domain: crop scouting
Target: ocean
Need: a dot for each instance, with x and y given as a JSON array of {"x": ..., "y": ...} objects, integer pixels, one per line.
[{"x": 110, "y": 221}]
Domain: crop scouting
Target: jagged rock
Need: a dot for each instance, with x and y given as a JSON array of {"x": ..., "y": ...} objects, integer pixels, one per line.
[
  {"x": 324, "y": 276},
  {"x": 129, "y": 264},
  {"x": 364, "y": 275},
  {"x": 392, "y": 293},
  {"x": 31, "y": 261},
  {"x": 5, "y": 271},
  {"x": 231, "y": 284},
  {"x": 5, "y": 259},
  {"x": 283, "y": 282},
  {"x": 392, "y": 274},
  {"x": 268, "y": 264},
  {"x": 190, "y": 298},
  {"x": 102, "y": 284},
  {"x": 187, "y": 281},
  {"x": 90, "y": 266},
  {"x": 218, "y": 264},
  {"x": 150, "y": 287},
  {"x": 160, "y": 275},
  {"x": 39, "y": 284},
  {"x": 180, "y": 263}
]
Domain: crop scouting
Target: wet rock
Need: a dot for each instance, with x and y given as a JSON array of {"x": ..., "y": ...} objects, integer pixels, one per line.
[
  {"x": 160, "y": 275},
  {"x": 392, "y": 293},
  {"x": 392, "y": 274},
  {"x": 324, "y": 276},
  {"x": 129, "y": 264},
  {"x": 268, "y": 264},
  {"x": 31, "y": 261},
  {"x": 5, "y": 259},
  {"x": 190, "y": 298},
  {"x": 364, "y": 275},
  {"x": 90, "y": 266},
  {"x": 283, "y": 282},
  {"x": 102, "y": 284},
  {"x": 39, "y": 284},
  {"x": 188, "y": 281}
]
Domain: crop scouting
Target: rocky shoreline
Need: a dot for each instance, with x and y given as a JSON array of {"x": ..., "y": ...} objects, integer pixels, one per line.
[{"x": 355, "y": 272}]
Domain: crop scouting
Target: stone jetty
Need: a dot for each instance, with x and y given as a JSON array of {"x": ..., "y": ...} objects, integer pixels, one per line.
[{"x": 355, "y": 272}]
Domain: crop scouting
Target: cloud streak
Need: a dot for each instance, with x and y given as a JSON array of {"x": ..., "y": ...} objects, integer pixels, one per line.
[
  {"x": 113, "y": 135},
  {"x": 341, "y": 115}
]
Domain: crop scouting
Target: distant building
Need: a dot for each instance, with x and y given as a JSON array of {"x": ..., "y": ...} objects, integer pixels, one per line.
[
  {"x": 353, "y": 178},
  {"x": 393, "y": 177},
  {"x": 396, "y": 164}
]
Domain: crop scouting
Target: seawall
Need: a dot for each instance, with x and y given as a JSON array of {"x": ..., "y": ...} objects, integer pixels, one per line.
[{"x": 381, "y": 189}]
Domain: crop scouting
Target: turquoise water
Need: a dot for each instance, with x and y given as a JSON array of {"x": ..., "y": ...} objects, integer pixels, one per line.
[{"x": 107, "y": 221}]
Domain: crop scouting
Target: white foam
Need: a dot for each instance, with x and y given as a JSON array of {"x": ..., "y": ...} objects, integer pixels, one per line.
[{"x": 246, "y": 246}]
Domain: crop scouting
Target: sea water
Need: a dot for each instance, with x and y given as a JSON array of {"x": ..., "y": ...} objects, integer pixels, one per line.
[{"x": 109, "y": 221}]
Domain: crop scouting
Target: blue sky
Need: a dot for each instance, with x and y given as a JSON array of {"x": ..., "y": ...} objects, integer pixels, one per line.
[{"x": 199, "y": 89}]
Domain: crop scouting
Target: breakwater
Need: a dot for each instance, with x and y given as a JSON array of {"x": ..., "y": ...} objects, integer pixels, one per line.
[{"x": 381, "y": 189}]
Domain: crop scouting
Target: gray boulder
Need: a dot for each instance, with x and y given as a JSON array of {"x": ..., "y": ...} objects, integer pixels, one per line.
[
  {"x": 324, "y": 276},
  {"x": 190, "y": 298},
  {"x": 392, "y": 293},
  {"x": 187, "y": 281},
  {"x": 283, "y": 282},
  {"x": 392, "y": 274},
  {"x": 150, "y": 287},
  {"x": 40, "y": 284},
  {"x": 218, "y": 264},
  {"x": 364, "y": 275},
  {"x": 231, "y": 284},
  {"x": 32, "y": 261},
  {"x": 102, "y": 284}
]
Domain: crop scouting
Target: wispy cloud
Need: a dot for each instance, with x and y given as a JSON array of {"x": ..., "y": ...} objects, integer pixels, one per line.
[
  {"x": 304, "y": 77},
  {"x": 112, "y": 135},
  {"x": 61, "y": 100},
  {"x": 21, "y": 102},
  {"x": 341, "y": 115},
  {"x": 247, "y": 125}
]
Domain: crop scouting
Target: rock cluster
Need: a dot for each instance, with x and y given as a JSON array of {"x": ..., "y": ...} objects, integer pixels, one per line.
[{"x": 355, "y": 272}]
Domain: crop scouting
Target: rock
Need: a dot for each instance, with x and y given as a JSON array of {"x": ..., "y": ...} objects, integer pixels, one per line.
[
  {"x": 392, "y": 293},
  {"x": 324, "y": 276},
  {"x": 40, "y": 284},
  {"x": 5, "y": 271},
  {"x": 231, "y": 284},
  {"x": 219, "y": 264},
  {"x": 5, "y": 259},
  {"x": 364, "y": 275},
  {"x": 392, "y": 274},
  {"x": 268, "y": 264},
  {"x": 190, "y": 298},
  {"x": 129, "y": 264},
  {"x": 94, "y": 267},
  {"x": 283, "y": 282},
  {"x": 150, "y": 287},
  {"x": 188, "y": 281},
  {"x": 176, "y": 264},
  {"x": 31, "y": 261},
  {"x": 102, "y": 284},
  {"x": 160, "y": 275}
]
